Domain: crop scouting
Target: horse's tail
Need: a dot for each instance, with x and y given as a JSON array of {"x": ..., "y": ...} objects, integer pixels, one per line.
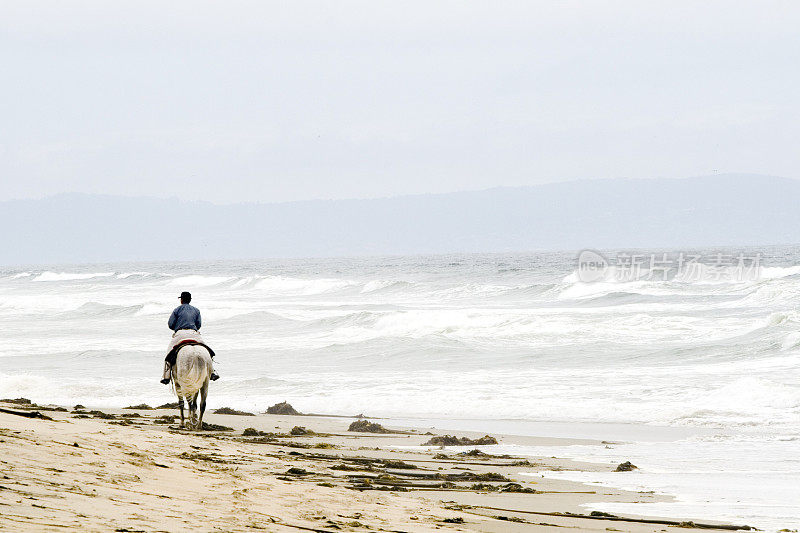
[{"x": 193, "y": 367}]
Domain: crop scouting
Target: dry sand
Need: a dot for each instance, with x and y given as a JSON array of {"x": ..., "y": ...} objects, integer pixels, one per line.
[{"x": 109, "y": 472}]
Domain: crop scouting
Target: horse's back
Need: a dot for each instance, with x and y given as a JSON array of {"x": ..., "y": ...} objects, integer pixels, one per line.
[
  {"x": 193, "y": 367},
  {"x": 193, "y": 352}
]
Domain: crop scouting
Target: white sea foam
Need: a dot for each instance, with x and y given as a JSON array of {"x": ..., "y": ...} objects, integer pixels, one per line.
[
  {"x": 126, "y": 275},
  {"x": 154, "y": 309},
  {"x": 302, "y": 287},
  {"x": 779, "y": 272},
  {"x": 200, "y": 281},
  {"x": 70, "y": 276}
]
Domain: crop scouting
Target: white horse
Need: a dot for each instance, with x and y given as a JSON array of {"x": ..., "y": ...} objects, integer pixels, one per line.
[{"x": 190, "y": 374}]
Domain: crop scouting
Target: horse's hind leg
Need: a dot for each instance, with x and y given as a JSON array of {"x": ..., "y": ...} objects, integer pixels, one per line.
[
  {"x": 180, "y": 405},
  {"x": 203, "y": 396},
  {"x": 193, "y": 425}
]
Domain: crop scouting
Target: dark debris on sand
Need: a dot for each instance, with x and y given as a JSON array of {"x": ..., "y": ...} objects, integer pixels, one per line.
[
  {"x": 450, "y": 440},
  {"x": 140, "y": 407},
  {"x": 17, "y": 401},
  {"x": 253, "y": 432},
  {"x": 215, "y": 427},
  {"x": 24, "y": 403},
  {"x": 231, "y": 411},
  {"x": 26, "y": 414},
  {"x": 627, "y": 466},
  {"x": 475, "y": 453},
  {"x": 282, "y": 408},
  {"x": 365, "y": 426}
]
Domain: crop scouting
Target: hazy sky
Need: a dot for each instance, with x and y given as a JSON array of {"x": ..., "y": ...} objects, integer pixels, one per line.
[{"x": 272, "y": 101}]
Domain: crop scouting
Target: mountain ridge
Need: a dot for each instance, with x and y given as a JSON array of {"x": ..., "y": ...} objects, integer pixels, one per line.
[{"x": 717, "y": 210}]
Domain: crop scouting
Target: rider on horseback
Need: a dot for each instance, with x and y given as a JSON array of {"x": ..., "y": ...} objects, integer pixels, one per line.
[{"x": 185, "y": 323}]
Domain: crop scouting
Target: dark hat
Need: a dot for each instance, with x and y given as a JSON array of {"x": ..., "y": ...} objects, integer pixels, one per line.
[{"x": 186, "y": 296}]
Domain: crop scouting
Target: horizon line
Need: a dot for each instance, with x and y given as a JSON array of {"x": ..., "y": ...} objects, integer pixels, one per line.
[{"x": 397, "y": 196}]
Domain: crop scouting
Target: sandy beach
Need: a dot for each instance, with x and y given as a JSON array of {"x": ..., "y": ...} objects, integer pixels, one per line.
[{"x": 135, "y": 470}]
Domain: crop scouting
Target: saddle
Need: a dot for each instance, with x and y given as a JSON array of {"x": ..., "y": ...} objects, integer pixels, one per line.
[{"x": 173, "y": 354}]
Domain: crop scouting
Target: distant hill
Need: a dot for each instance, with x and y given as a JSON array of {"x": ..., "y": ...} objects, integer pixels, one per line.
[{"x": 733, "y": 209}]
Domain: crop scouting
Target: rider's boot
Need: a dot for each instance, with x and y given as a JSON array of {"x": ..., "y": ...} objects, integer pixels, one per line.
[
  {"x": 167, "y": 373},
  {"x": 214, "y": 376}
]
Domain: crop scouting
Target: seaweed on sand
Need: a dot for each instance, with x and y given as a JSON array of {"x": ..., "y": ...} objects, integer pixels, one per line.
[
  {"x": 283, "y": 408},
  {"x": 450, "y": 440},
  {"x": 101, "y": 414},
  {"x": 400, "y": 465},
  {"x": 27, "y": 414},
  {"x": 215, "y": 427},
  {"x": 365, "y": 426},
  {"x": 17, "y": 401},
  {"x": 140, "y": 407},
  {"x": 231, "y": 411},
  {"x": 627, "y": 466}
]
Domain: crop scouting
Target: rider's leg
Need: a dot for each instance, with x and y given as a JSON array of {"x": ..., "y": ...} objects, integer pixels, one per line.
[
  {"x": 167, "y": 373},
  {"x": 177, "y": 337},
  {"x": 165, "y": 377},
  {"x": 214, "y": 376}
]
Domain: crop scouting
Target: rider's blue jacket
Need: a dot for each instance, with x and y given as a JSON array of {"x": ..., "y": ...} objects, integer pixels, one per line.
[{"x": 185, "y": 316}]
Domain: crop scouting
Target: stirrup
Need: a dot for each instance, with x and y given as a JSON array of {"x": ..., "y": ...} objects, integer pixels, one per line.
[
  {"x": 214, "y": 376},
  {"x": 165, "y": 381}
]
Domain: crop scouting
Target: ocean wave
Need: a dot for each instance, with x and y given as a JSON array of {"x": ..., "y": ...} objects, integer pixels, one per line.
[
  {"x": 154, "y": 308},
  {"x": 777, "y": 331},
  {"x": 96, "y": 309},
  {"x": 194, "y": 280},
  {"x": 361, "y": 318},
  {"x": 617, "y": 298},
  {"x": 245, "y": 282},
  {"x": 129, "y": 275},
  {"x": 779, "y": 272},
  {"x": 70, "y": 276},
  {"x": 254, "y": 319},
  {"x": 696, "y": 274},
  {"x": 752, "y": 395},
  {"x": 769, "y": 293},
  {"x": 376, "y": 286},
  {"x": 580, "y": 290},
  {"x": 25, "y": 385},
  {"x": 303, "y": 287}
]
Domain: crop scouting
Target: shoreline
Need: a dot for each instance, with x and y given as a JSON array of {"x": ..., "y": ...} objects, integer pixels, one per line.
[{"x": 87, "y": 469}]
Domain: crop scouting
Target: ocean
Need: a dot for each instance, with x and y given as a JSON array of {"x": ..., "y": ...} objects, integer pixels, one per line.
[{"x": 690, "y": 367}]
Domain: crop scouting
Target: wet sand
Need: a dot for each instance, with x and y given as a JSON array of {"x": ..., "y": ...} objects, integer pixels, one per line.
[{"x": 134, "y": 470}]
